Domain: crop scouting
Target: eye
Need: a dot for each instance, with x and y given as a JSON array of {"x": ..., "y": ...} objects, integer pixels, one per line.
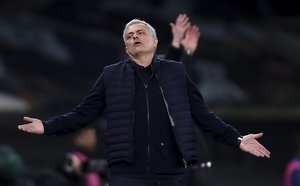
[
  {"x": 130, "y": 36},
  {"x": 141, "y": 32}
]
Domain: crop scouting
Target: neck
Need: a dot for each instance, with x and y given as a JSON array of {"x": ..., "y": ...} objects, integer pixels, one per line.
[{"x": 143, "y": 60}]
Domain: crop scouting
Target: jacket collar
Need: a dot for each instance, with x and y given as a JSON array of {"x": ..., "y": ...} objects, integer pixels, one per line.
[{"x": 155, "y": 59}]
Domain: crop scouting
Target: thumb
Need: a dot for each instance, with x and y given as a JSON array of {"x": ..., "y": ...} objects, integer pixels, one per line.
[
  {"x": 29, "y": 119},
  {"x": 172, "y": 25},
  {"x": 259, "y": 135}
]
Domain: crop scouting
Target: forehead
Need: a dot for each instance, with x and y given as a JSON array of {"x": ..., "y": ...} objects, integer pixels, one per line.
[{"x": 135, "y": 27}]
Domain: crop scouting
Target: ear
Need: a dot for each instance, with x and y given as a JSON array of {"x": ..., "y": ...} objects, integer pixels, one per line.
[
  {"x": 155, "y": 42},
  {"x": 127, "y": 51}
]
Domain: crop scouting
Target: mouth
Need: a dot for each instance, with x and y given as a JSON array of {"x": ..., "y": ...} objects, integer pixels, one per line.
[{"x": 137, "y": 43}]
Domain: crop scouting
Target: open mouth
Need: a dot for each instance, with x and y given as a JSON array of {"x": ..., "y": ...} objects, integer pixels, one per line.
[{"x": 137, "y": 43}]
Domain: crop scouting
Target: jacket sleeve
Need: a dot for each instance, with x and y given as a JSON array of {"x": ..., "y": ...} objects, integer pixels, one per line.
[
  {"x": 189, "y": 61},
  {"x": 84, "y": 113},
  {"x": 207, "y": 120},
  {"x": 173, "y": 53}
]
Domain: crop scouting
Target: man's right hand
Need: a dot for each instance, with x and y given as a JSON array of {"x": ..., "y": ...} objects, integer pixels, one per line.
[
  {"x": 34, "y": 126},
  {"x": 179, "y": 28},
  {"x": 190, "y": 42}
]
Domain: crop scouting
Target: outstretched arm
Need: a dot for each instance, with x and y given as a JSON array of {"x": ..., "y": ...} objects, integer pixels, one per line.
[
  {"x": 221, "y": 131},
  {"x": 84, "y": 113},
  {"x": 34, "y": 126},
  {"x": 251, "y": 145}
]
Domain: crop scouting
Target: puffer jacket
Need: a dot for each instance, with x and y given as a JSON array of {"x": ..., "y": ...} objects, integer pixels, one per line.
[{"x": 114, "y": 93}]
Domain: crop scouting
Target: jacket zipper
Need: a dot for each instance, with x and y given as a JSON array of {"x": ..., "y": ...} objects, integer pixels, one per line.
[
  {"x": 133, "y": 115},
  {"x": 171, "y": 119},
  {"x": 148, "y": 125}
]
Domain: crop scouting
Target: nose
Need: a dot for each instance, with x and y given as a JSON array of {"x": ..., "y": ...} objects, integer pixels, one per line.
[{"x": 135, "y": 36}]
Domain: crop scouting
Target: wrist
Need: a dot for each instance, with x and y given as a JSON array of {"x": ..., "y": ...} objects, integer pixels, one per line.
[
  {"x": 176, "y": 44},
  {"x": 189, "y": 51},
  {"x": 239, "y": 141}
]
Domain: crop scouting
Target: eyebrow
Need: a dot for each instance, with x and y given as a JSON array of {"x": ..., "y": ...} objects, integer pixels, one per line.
[{"x": 135, "y": 31}]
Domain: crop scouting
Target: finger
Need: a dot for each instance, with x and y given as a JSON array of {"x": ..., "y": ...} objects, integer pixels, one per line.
[
  {"x": 183, "y": 23},
  {"x": 259, "y": 135},
  {"x": 194, "y": 31},
  {"x": 29, "y": 119},
  {"x": 24, "y": 128},
  {"x": 183, "y": 17},
  {"x": 187, "y": 26},
  {"x": 20, "y": 127},
  {"x": 194, "y": 28},
  {"x": 262, "y": 150},
  {"x": 259, "y": 153},
  {"x": 180, "y": 16},
  {"x": 263, "y": 153},
  {"x": 266, "y": 154},
  {"x": 182, "y": 20},
  {"x": 172, "y": 25},
  {"x": 256, "y": 153}
]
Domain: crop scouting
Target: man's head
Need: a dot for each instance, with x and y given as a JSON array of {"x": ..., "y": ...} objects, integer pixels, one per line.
[{"x": 139, "y": 37}]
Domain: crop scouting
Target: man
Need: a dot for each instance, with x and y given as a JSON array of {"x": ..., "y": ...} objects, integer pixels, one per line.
[{"x": 149, "y": 104}]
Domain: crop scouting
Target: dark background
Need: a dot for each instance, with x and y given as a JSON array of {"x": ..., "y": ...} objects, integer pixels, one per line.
[{"x": 52, "y": 51}]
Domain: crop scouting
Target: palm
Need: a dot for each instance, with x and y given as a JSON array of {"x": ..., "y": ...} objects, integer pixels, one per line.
[
  {"x": 251, "y": 145},
  {"x": 34, "y": 126},
  {"x": 179, "y": 28},
  {"x": 190, "y": 42}
]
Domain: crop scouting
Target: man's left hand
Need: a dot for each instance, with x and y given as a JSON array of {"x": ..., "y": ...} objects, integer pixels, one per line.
[{"x": 251, "y": 145}]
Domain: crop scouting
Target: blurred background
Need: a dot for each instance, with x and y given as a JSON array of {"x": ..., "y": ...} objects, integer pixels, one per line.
[{"x": 248, "y": 60}]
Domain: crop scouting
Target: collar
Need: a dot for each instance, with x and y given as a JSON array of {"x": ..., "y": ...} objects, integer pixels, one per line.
[{"x": 155, "y": 59}]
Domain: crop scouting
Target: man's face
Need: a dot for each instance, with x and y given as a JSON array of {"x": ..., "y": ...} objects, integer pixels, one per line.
[{"x": 138, "y": 40}]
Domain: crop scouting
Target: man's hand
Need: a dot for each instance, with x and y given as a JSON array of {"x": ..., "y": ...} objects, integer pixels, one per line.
[
  {"x": 179, "y": 28},
  {"x": 34, "y": 126},
  {"x": 251, "y": 145},
  {"x": 191, "y": 39}
]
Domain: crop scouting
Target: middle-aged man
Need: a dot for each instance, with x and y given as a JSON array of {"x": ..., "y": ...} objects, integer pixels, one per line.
[{"x": 150, "y": 106}]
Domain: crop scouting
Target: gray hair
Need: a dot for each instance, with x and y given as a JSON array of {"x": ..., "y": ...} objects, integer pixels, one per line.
[{"x": 138, "y": 21}]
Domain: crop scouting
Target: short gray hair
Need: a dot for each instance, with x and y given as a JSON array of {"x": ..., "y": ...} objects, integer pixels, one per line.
[{"x": 138, "y": 21}]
